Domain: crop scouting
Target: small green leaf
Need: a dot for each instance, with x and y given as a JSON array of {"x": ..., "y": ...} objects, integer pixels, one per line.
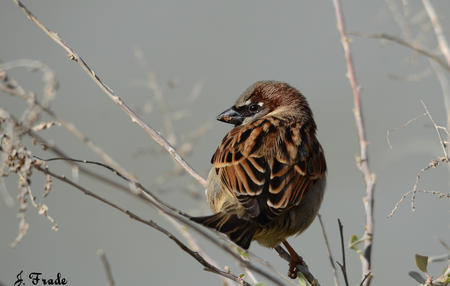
[
  {"x": 242, "y": 275},
  {"x": 242, "y": 252},
  {"x": 421, "y": 262},
  {"x": 354, "y": 242}
]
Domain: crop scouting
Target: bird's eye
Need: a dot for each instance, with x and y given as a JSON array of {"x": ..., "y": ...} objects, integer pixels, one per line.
[{"x": 253, "y": 107}]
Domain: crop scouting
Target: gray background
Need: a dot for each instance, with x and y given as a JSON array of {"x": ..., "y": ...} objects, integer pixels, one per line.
[{"x": 226, "y": 45}]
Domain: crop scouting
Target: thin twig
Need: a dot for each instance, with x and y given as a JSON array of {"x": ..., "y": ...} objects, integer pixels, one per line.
[
  {"x": 414, "y": 190},
  {"x": 330, "y": 255},
  {"x": 363, "y": 161},
  {"x": 343, "y": 265},
  {"x": 436, "y": 127},
  {"x": 116, "y": 99},
  {"x": 101, "y": 254},
  {"x": 442, "y": 41},
  {"x": 405, "y": 43},
  {"x": 151, "y": 223},
  {"x": 388, "y": 132},
  {"x": 11, "y": 87}
]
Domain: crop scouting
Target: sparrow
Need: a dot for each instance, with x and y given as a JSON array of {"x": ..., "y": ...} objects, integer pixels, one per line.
[{"x": 268, "y": 174}]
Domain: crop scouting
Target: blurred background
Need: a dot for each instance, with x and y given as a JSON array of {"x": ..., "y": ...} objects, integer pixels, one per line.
[{"x": 179, "y": 64}]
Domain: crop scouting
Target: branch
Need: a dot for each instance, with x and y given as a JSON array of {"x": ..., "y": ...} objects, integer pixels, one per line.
[
  {"x": 443, "y": 45},
  {"x": 151, "y": 223},
  {"x": 116, "y": 99},
  {"x": 11, "y": 87},
  {"x": 363, "y": 161},
  {"x": 405, "y": 43},
  {"x": 343, "y": 266},
  {"x": 433, "y": 164}
]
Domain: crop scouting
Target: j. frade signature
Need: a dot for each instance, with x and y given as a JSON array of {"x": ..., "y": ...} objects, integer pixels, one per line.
[{"x": 36, "y": 278}]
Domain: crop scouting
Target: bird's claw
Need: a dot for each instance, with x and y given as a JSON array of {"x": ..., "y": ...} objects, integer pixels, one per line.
[{"x": 292, "y": 272}]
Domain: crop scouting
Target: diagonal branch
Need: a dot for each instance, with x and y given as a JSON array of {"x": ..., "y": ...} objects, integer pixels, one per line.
[
  {"x": 200, "y": 259},
  {"x": 405, "y": 43},
  {"x": 110, "y": 93}
]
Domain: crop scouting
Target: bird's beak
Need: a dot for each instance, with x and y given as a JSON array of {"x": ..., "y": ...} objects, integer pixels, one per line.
[{"x": 231, "y": 116}]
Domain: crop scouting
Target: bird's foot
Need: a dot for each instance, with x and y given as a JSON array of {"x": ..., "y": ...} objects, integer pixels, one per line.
[{"x": 295, "y": 260}]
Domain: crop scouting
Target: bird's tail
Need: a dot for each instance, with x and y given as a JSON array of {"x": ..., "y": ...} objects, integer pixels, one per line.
[{"x": 239, "y": 230}]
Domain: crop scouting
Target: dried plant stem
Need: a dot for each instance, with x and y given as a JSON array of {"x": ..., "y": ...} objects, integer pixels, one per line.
[
  {"x": 436, "y": 127},
  {"x": 151, "y": 223},
  {"x": 101, "y": 254},
  {"x": 116, "y": 99},
  {"x": 330, "y": 254},
  {"x": 363, "y": 161},
  {"x": 14, "y": 91}
]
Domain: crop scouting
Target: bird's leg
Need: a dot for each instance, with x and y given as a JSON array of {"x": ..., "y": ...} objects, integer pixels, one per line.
[{"x": 295, "y": 260}]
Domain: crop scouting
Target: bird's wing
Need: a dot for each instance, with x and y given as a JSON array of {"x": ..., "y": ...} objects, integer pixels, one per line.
[{"x": 269, "y": 165}]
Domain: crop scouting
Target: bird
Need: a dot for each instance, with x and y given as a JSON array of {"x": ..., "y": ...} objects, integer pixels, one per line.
[{"x": 268, "y": 174}]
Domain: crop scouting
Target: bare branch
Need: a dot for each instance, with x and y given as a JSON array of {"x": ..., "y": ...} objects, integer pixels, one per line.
[
  {"x": 405, "y": 43},
  {"x": 11, "y": 87},
  {"x": 415, "y": 189},
  {"x": 442, "y": 41},
  {"x": 101, "y": 254},
  {"x": 151, "y": 223},
  {"x": 134, "y": 117},
  {"x": 363, "y": 161}
]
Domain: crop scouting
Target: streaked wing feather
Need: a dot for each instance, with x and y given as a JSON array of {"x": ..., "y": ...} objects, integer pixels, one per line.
[{"x": 275, "y": 183}]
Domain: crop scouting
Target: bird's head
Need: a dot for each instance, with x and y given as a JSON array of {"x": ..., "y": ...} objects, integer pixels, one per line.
[{"x": 267, "y": 98}]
